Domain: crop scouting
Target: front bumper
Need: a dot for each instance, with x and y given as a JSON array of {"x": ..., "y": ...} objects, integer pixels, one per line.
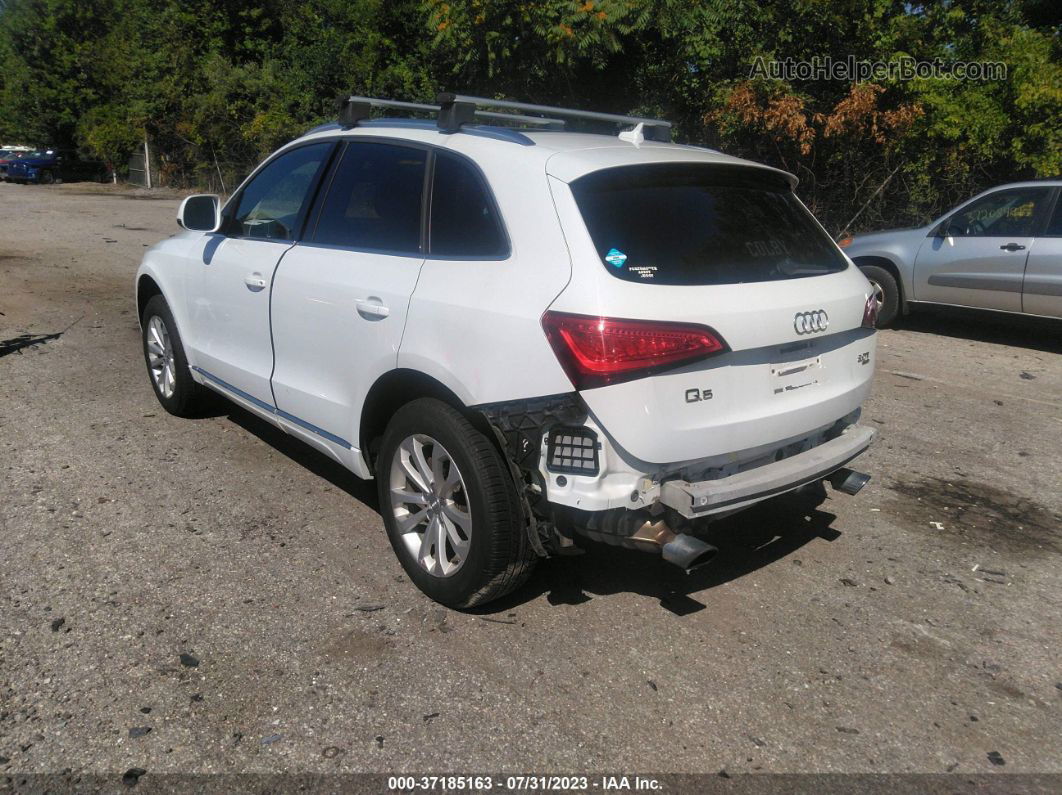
[{"x": 739, "y": 490}]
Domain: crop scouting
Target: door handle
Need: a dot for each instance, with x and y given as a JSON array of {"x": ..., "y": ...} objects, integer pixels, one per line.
[
  {"x": 1012, "y": 247},
  {"x": 371, "y": 307},
  {"x": 254, "y": 281}
]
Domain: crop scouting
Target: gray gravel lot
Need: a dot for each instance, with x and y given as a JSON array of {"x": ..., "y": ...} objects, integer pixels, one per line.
[{"x": 210, "y": 596}]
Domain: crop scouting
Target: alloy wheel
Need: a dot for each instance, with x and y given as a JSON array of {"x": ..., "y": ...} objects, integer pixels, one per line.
[
  {"x": 878, "y": 293},
  {"x": 160, "y": 357},
  {"x": 429, "y": 502}
]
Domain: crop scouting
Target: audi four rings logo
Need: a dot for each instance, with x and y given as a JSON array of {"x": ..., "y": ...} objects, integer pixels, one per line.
[{"x": 811, "y": 322}]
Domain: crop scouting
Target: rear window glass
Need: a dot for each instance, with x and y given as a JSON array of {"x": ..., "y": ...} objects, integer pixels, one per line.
[{"x": 688, "y": 224}]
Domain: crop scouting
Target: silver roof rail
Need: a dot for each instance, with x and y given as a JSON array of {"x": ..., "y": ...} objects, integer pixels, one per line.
[
  {"x": 458, "y": 109},
  {"x": 355, "y": 109}
]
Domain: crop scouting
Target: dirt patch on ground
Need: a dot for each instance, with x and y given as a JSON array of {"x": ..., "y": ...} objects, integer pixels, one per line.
[{"x": 978, "y": 513}]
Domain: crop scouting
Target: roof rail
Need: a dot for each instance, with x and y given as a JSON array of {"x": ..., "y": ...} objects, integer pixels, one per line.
[
  {"x": 454, "y": 110},
  {"x": 458, "y": 109},
  {"x": 354, "y": 109}
]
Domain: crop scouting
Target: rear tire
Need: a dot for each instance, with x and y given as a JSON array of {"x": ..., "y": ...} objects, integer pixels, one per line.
[
  {"x": 470, "y": 544},
  {"x": 46, "y": 178},
  {"x": 167, "y": 366},
  {"x": 888, "y": 293}
]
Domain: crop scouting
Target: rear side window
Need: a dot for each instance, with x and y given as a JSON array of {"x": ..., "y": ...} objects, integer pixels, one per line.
[
  {"x": 691, "y": 224},
  {"x": 374, "y": 199},
  {"x": 464, "y": 221}
]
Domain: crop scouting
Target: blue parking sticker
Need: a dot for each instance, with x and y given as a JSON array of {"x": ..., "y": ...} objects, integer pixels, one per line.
[{"x": 615, "y": 258}]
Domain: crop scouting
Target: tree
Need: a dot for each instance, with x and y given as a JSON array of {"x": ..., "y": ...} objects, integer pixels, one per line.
[{"x": 218, "y": 84}]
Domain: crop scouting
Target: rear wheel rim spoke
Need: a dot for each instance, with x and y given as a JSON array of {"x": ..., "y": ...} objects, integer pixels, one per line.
[{"x": 429, "y": 503}]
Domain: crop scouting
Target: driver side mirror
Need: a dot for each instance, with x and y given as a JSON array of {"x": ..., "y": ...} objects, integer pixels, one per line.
[
  {"x": 942, "y": 229},
  {"x": 200, "y": 213}
]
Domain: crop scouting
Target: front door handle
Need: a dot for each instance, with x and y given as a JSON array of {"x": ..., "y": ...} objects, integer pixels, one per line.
[
  {"x": 372, "y": 308},
  {"x": 1012, "y": 247},
  {"x": 254, "y": 281}
]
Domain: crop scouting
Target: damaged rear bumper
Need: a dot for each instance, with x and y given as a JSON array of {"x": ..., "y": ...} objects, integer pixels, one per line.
[
  {"x": 739, "y": 490},
  {"x": 609, "y": 478}
]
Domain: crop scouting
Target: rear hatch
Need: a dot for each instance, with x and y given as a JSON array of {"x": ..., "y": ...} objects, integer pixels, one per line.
[{"x": 750, "y": 320}]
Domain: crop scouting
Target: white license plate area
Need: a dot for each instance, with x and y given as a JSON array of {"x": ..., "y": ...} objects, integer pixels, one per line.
[{"x": 795, "y": 376}]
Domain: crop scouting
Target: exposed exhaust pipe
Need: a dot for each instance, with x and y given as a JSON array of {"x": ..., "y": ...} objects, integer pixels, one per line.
[
  {"x": 685, "y": 551},
  {"x": 848, "y": 480},
  {"x": 639, "y": 530},
  {"x": 688, "y": 552}
]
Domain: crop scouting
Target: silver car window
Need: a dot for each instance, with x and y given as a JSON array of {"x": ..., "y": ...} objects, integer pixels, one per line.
[{"x": 1005, "y": 213}]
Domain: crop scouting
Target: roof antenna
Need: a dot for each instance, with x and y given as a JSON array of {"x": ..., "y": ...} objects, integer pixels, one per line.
[{"x": 635, "y": 136}]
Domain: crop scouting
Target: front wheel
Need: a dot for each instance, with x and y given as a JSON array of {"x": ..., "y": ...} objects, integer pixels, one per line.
[
  {"x": 46, "y": 178},
  {"x": 167, "y": 366},
  {"x": 886, "y": 293},
  {"x": 450, "y": 506}
]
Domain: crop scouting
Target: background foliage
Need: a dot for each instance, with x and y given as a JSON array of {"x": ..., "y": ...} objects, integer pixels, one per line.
[{"x": 218, "y": 84}]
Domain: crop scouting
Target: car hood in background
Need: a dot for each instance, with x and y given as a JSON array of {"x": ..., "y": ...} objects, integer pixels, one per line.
[{"x": 886, "y": 237}]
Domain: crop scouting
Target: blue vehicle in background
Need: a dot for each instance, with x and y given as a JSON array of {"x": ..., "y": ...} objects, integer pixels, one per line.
[{"x": 46, "y": 166}]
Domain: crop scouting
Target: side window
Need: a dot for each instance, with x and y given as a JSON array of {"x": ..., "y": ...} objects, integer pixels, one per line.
[
  {"x": 1006, "y": 213},
  {"x": 273, "y": 202},
  {"x": 374, "y": 199},
  {"x": 464, "y": 222},
  {"x": 1054, "y": 226}
]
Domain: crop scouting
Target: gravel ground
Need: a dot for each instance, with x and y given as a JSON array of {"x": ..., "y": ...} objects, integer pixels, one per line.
[{"x": 210, "y": 596}]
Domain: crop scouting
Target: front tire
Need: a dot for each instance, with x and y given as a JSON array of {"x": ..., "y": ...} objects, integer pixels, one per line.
[
  {"x": 46, "y": 178},
  {"x": 886, "y": 292},
  {"x": 167, "y": 366},
  {"x": 450, "y": 507}
]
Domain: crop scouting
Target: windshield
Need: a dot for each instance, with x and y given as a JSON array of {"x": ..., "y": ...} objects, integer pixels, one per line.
[{"x": 694, "y": 224}]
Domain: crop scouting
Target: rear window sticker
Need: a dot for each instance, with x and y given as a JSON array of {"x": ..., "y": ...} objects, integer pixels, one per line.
[{"x": 616, "y": 258}]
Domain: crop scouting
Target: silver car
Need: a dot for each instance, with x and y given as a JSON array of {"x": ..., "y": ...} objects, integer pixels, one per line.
[{"x": 1001, "y": 250}]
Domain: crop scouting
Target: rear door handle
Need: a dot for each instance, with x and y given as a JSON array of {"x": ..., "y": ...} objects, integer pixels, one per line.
[
  {"x": 1012, "y": 247},
  {"x": 371, "y": 308},
  {"x": 254, "y": 281}
]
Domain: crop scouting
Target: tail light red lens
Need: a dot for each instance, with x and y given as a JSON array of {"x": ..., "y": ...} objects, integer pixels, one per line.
[
  {"x": 870, "y": 312},
  {"x": 596, "y": 351}
]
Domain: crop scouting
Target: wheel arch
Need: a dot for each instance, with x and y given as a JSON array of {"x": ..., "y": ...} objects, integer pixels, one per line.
[
  {"x": 394, "y": 389},
  {"x": 891, "y": 267},
  {"x": 146, "y": 289}
]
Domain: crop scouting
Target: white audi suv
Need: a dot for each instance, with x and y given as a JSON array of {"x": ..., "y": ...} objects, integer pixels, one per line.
[{"x": 527, "y": 332}]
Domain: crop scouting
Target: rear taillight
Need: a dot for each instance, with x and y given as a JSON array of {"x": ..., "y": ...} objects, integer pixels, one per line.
[
  {"x": 596, "y": 351},
  {"x": 870, "y": 311}
]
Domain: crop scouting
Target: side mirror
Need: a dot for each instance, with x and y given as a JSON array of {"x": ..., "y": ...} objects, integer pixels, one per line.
[
  {"x": 942, "y": 229},
  {"x": 200, "y": 213}
]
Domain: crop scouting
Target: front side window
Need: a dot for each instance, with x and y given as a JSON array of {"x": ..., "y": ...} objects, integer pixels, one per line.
[
  {"x": 271, "y": 205},
  {"x": 1006, "y": 213},
  {"x": 374, "y": 199},
  {"x": 464, "y": 221},
  {"x": 700, "y": 224}
]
